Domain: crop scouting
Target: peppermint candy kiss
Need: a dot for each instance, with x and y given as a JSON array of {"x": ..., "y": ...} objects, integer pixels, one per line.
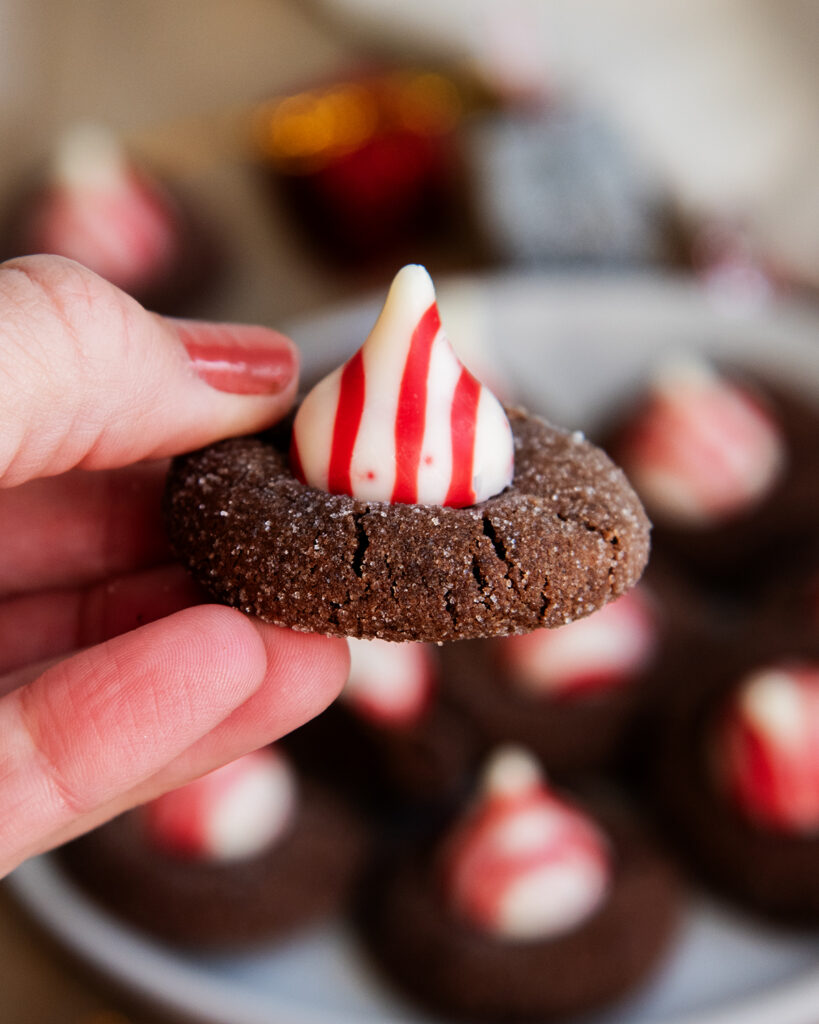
[
  {"x": 229, "y": 814},
  {"x": 607, "y": 649},
  {"x": 391, "y": 684},
  {"x": 99, "y": 211},
  {"x": 523, "y": 864},
  {"x": 403, "y": 421},
  {"x": 765, "y": 749},
  {"x": 702, "y": 450}
]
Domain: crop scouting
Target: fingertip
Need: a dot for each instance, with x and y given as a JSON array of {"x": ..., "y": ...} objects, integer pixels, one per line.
[
  {"x": 220, "y": 644},
  {"x": 121, "y": 384},
  {"x": 303, "y": 674},
  {"x": 307, "y": 670}
]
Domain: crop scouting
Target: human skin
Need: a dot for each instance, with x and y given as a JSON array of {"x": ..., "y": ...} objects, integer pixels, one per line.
[{"x": 116, "y": 681}]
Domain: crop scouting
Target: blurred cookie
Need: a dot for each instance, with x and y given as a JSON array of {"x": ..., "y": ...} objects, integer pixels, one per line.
[
  {"x": 392, "y": 741},
  {"x": 728, "y": 467},
  {"x": 736, "y": 778},
  {"x": 243, "y": 855},
  {"x": 528, "y": 908},
  {"x": 571, "y": 694},
  {"x": 95, "y": 205}
]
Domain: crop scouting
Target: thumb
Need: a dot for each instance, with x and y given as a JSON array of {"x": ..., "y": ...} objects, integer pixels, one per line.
[{"x": 88, "y": 378}]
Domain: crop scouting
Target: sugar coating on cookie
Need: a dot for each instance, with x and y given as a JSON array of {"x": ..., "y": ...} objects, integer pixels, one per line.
[
  {"x": 96, "y": 209},
  {"x": 229, "y": 814},
  {"x": 568, "y": 536},
  {"x": 523, "y": 864},
  {"x": 764, "y": 751},
  {"x": 390, "y": 684},
  {"x": 702, "y": 449},
  {"x": 403, "y": 420},
  {"x": 604, "y": 650}
]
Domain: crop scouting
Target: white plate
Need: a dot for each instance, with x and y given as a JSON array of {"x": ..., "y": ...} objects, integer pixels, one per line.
[{"x": 573, "y": 347}]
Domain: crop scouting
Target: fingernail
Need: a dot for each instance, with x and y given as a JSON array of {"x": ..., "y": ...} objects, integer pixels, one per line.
[{"x": 244, "y": 368}]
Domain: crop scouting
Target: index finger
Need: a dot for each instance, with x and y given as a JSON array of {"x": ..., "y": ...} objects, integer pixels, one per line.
[{"x": 89, "y": 379}]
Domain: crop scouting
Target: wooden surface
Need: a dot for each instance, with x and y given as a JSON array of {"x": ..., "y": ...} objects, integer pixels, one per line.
[{"x": 41, "y": 985}]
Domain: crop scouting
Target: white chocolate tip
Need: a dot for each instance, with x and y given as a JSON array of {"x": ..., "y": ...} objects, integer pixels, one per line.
[
  {"x": 390, "y": 682},
  {"x": 89, "y": 156},
  {"x": 684, "y": 371},
  {"x": 416, "y": 277},
  {"x": 509, "y": 771},
  {"x": 771, "y": 700},
  {"x": 411, "y": 294}
]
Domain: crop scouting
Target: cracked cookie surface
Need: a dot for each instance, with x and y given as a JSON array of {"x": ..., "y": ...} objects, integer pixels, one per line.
[{"x": 567, "y": 536}]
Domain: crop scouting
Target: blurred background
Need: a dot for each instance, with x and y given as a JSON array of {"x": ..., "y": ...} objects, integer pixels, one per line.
[
  {"x": 687, "y": 129},
  {"x": 315, "y": 145}
]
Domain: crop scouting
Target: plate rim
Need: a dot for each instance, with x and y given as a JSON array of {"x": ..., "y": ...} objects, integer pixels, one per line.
[{"x": 59, "y": 906}]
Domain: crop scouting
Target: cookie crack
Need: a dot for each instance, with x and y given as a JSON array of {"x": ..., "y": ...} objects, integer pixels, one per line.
[
  {"x": 545, "y": 600},
  {"x": 362, "y": 543},
  {"x": 477, "y": 572},
  {"x": 500, "y": 550},
  {"x": 451, "y": 609},
  {"x": 496, "y": 542}
]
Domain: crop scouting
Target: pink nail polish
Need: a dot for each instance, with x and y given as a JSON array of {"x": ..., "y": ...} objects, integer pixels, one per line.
[{"x": 241, "y": 370}]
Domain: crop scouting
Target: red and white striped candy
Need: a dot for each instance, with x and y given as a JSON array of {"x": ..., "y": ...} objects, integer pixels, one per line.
[
  {"x": 524, "y": 864},
  {"x": 765, "y": 750},
  {"x": 229, "y": 814},
  {"x": 99, "y": 211},
  {"x": 391, "y": 684},
  {"x": 403, "y": 420},
  {"x": 702, "y": 449},
  {"x": 607, "y": 649}
]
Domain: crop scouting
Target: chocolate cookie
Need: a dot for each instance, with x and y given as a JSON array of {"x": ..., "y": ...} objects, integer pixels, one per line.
[
  {"x": 771, "y": 871},
  {"x": 567, "y": 536},
  {"x": 425, "y": 763},
  {"x": 567, "y": 735},
  {"x": 790, "y": 606},
  {"x": 457, "y": 970},
  {"x": 303, "y": 878},
  {"x": 746, "y": 550}
]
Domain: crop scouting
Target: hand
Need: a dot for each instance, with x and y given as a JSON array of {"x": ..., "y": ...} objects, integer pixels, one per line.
[{"x": 116, "y": 683}]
